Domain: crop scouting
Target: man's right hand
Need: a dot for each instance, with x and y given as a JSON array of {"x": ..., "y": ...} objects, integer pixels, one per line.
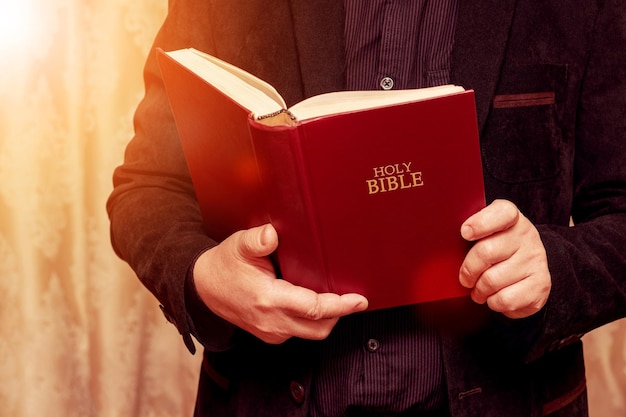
[{"x": 237, "y": 282}]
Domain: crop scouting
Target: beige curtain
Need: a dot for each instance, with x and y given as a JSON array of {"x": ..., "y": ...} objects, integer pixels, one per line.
[{"x": 79, "y": 336}]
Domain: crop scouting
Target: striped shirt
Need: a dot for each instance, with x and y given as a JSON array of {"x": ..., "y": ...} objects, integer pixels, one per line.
[
  {"x": 387, "y": 362},
  {"x": 407, "y": 40}
]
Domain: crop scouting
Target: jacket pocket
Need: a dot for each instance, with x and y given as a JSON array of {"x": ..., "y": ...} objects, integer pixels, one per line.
[{"x": 522, "y": 140}]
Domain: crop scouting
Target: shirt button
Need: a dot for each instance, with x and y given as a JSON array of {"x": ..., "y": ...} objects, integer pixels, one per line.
[
  {"x": 386, "y": 83},
  {"x": 296, "y": 390},
  {"x": 373, "y": 345}
]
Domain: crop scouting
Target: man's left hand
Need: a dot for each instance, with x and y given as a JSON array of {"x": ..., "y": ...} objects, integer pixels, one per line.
[{"x": 507, "y": 267}]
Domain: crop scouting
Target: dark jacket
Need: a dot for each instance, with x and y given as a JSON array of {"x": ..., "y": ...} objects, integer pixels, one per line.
[{"x": 557, "y": 160}]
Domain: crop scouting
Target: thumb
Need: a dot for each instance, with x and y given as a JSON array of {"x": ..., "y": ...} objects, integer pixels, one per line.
[{"x": 258, "y": 241}]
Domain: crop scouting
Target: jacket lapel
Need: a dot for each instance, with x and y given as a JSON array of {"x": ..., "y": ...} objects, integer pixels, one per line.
[
  {"x": 319, "y": 33},
  {"x": 296, "y": 45},
  {"x": 479, "y": 46}
]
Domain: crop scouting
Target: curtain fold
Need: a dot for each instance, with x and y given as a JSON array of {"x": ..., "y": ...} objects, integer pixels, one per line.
[{"x": 79, "y": 336}]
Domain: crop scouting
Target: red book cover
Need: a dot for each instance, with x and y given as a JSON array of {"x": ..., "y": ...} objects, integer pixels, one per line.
[{"x": 368, "y": 201}]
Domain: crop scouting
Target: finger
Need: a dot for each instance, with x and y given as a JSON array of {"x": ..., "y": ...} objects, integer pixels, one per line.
[
  {"x": 498, "y": 216},
  {"x": 307, "y": 304},
  {"x": 483, "y": 256},
  {"x": 522, "y": 299},
  {"x": 494, "y": 279},
  {"x": 257, "y": 242},
  {"x": 330, "y": 306},
  {"x": 306, "y": 314},
  {"x": 317, "y": 320}
]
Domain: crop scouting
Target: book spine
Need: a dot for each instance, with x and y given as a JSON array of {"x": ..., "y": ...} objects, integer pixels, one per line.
[{"x": 284, "y": 181}]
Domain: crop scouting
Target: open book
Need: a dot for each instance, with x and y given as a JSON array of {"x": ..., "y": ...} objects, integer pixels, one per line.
[
  {"x": 263, "y": 101},
  {"x": 367, "y": 189}
]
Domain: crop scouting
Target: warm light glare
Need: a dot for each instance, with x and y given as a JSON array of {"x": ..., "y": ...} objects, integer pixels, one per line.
[{"x": 17, "y": 25}]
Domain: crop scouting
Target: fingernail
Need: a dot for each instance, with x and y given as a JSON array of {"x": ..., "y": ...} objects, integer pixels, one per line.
[
  {"x": 467, "y": 232},
  {"x": 263, "y": 235}
]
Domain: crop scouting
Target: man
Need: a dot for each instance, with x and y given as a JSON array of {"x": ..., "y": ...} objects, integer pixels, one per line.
[{"x": 550, "y": 88}]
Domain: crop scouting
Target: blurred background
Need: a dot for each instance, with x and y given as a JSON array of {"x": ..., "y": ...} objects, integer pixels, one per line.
[{"x": 79, "y": 336}]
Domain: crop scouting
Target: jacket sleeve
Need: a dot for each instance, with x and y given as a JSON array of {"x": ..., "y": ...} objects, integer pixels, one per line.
[
  {"x": 156, "y": 225},
  {"x": 587, "y": 262}
]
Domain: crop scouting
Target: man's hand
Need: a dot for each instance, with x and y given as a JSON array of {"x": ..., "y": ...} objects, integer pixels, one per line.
[
  {"x": 236, "y": 281},
  {"x": 507, "y": 267}
]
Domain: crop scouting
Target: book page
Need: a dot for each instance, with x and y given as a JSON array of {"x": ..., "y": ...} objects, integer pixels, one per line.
[
  {"x": 263, "y": 101},
  {"x": 249, "y": 91},
  {"x": 347, "y": 101}
]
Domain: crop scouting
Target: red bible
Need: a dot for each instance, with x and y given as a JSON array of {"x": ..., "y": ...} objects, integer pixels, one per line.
[{"x": 367, "y": 190}]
